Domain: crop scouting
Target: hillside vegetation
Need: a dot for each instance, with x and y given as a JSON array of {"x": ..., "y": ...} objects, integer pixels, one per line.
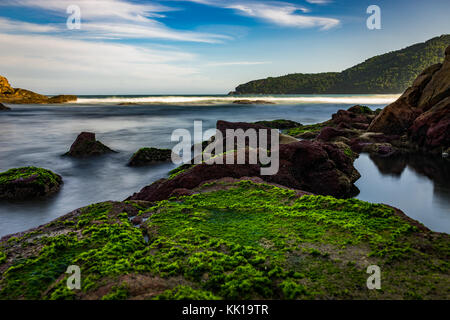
[{"x": 392, "y": 72}]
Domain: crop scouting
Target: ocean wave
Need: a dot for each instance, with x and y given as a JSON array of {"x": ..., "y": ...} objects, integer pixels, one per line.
[{"x": 342, "y": 99}]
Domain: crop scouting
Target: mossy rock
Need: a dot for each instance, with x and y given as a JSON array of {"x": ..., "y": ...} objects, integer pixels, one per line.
[
  {"x": 28, "y": 183},
  {"x": 229, "y": 241},
  {"x": 147, "y": 156}
]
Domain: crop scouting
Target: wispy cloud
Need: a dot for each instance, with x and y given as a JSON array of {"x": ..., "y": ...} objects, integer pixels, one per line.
[
  {"x": 236, "y": 63},
  {"x": 110, "y": 19},
  {"x": 318, "y": 1},
  {"x": 90, "y": 66},
  {"x": 279, "y": 13},
  {"x": 8, "y": 25}
]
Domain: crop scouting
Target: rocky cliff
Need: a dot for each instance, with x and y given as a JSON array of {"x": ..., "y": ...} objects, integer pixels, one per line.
[
  {"x": 9, "y": 94},
  {"x": 423, "y": 111}
]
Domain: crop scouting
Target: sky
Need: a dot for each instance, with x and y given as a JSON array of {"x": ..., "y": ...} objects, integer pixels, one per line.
[{"x": 197, "y": 46}]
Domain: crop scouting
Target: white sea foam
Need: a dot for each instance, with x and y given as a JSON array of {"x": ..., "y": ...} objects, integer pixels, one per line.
[{"x": 319, "y": 99}]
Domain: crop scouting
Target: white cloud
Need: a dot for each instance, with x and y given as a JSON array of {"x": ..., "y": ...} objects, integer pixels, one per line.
[
  {"x": 236, "y": 63},
  {"x": 72, "y": 66},
  {"x": 318, "y": 1},
  {"x": 8, "y": 25},
  {"x": 280, "y": 13},
  {"x": 109, "y": 19}
]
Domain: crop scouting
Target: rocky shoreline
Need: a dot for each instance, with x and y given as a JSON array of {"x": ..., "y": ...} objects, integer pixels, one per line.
[
  {"x": 12, "y": 95},
  {"x": 227, "y": 232}
]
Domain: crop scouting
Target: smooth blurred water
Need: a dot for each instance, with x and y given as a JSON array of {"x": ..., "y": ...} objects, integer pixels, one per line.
[{"x": 37, "y": 135}]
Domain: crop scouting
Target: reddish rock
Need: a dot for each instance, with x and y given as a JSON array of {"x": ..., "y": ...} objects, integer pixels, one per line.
[
  {"x": 423, "y": 111},
  {"x": 328, "y": 133},
  {"x": 86, "y": 145},
  {"x": 315, "y": 167}
]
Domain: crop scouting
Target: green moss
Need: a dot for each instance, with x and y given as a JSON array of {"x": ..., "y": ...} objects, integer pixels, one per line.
[
  {"x": 250, "y": 241},
  {"x": 179, "y": 170},
  {"x": 117, "y": 293},
  {"x": 43, "y": 176},
  {"x": 185, "y": 293},
  {"x": 2, "y": 257},
  {"x": 314, "y": 128}
]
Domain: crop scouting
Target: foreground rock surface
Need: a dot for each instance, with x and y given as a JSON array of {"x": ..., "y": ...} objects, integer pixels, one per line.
[
  {"x": 148, "y": 156},
  {"x": 9, "y": 94},
  {"x": 423, "y": 111},
  {"x": 87, "y": 146},
  {"x": 230, "y": 240},
  {"x": 28, "y": 183}
]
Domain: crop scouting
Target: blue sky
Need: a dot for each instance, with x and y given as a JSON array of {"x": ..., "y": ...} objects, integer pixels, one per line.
[{"x": 197, "y": 46}]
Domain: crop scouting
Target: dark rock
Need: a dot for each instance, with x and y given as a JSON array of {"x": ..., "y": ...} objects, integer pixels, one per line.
[
  {"x": 252, "y": 102},
  {"x": 4, "y": 108},
  {"x": 328, "y": 133},
  {"x": 62, "y": 99},
  {"x": 315, "y": 167},
  {"x": 85, "y": 146},
  {"x": 279, "y": 124},
  {"x": 147, "y": 156},
  {"x": 28, "y": 183}
]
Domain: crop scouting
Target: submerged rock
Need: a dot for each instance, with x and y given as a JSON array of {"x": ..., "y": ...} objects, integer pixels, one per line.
[
  {"x": 86, "y": 145},
  {"x": 147, "y": 156},
  {"x": 62, "y": 99},
  {"x": 28, "y": 183},
  {"x": 252, "y": 102}
]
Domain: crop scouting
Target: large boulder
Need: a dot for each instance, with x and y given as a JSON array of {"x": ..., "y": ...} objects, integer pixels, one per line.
[
  {"x": 86, "y": 145},
  {"x": 147, "y": 156},
  {"x": 28, "y": 183},
  {"x": 422, "y": 112},
  {"x": 311, "y": 166},
  {"x": 21, "y": 96}
]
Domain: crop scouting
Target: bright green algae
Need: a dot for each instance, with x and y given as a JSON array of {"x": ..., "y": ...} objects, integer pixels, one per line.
[
  {"x": 241, "y": 241},
  {"x": 44, "y": 176}
]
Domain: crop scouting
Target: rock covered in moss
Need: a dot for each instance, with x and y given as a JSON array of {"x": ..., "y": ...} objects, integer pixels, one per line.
[
  {"x": 4, "y": 108},
  {"x": 231, "y": 240},
  {"x": 28, "y": 183},
  {"x": 86, "y": 146},
  {"x": 147, "y": 156}
]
